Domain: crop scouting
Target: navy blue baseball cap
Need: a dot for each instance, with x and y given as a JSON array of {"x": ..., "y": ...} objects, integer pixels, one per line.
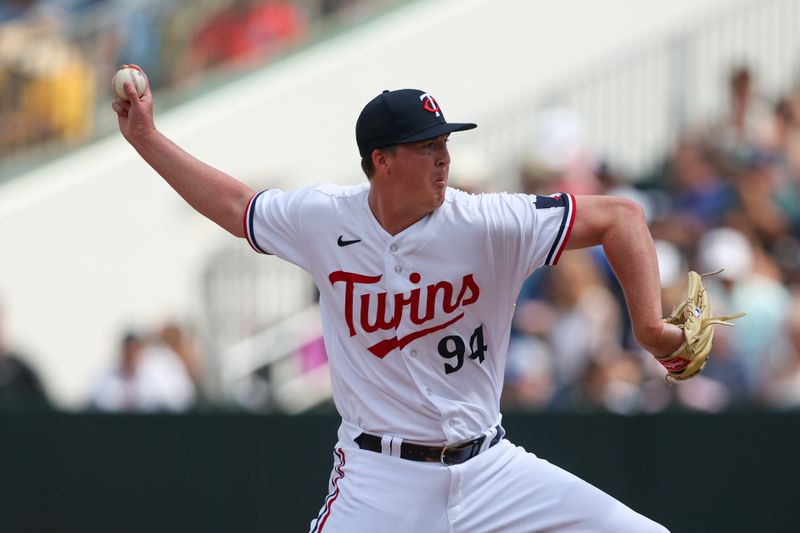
[{"x": 402, "y": 116}]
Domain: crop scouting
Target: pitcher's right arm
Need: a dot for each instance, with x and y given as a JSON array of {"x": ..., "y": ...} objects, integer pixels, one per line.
[{"x": 211, "y": 192}]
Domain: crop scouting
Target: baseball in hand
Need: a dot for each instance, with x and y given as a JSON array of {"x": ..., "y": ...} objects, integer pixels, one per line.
[{"x": 128, "y": 74}]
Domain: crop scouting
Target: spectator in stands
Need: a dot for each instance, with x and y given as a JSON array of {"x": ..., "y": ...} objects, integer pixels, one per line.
[
  {"x": 20, "y": 387},
  {"x": 610, "y": 382},
  {"x": 783, "y": 157},
  {"x": 529, "y": 374},
  {"x": 751, "y": 282},
  {"x": 785, "y": 140},
  {"x": 782, "y": 389},
  {"x": 747, "y": 123},
  {"x": 245, "y": 33},
  {"x": 47, "y": 87},
  {"x": 701, "y": 196},
  {"x": 147, "y": 378},
  {"x": 139, "y": 37},
  {"x": 179, "y": 340},
  {"x": 559, "y": 154},
  {"x": 15, "y": 9},
  {"x": 761, "y": 196}
]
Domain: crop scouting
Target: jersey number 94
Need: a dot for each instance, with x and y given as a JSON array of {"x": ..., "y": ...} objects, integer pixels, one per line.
[{"x": 454, "y": 346}]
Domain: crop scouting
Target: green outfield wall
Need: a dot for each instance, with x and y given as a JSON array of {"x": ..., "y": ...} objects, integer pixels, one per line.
[{"x": 228, "y": 473}]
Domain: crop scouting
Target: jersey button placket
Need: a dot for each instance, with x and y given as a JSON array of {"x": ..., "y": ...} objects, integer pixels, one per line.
[{"x": 393, "y": 250}]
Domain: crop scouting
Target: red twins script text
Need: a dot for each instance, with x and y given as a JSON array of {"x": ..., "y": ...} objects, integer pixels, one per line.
[{"x": 440, "y": 298}]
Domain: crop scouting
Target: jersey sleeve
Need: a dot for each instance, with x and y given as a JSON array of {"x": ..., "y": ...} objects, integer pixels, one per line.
[
  {"x": 273, "y": 224},
  {"x": 556, "y": 216},
  {"x": 536, "y": 228}
]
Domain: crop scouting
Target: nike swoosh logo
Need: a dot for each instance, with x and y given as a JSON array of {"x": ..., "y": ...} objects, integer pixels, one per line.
[{"x": 342, "y": 242}]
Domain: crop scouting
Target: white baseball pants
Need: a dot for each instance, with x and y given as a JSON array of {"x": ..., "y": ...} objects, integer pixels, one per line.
[{"x": 504, "y": 489}]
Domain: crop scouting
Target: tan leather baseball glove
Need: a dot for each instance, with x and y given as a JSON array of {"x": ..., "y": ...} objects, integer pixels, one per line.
[{"x": 693, "y": 316}]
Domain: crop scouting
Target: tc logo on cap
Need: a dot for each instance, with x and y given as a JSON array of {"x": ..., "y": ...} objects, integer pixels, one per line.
[{"x": 430, "y": 103}]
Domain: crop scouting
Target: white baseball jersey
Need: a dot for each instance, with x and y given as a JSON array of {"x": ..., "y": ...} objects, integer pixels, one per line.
[{"x": 416, "y": 325}]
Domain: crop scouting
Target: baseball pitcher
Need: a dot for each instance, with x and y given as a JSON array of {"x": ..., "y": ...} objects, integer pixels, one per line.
[{"x": 417, "y": 287}]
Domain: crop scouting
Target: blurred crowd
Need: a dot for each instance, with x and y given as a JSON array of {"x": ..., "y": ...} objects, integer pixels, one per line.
[
  {"x": 151, "y": 371},
  {"x": 156, "y": 372},
  {"x": 727, "y": 195},
  {"x": 57, "y": 57}
]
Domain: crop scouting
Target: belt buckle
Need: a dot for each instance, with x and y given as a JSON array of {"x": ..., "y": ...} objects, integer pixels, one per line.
[
  {"x": 459, "y": 446},
  {"x": 442, "y": 454}
]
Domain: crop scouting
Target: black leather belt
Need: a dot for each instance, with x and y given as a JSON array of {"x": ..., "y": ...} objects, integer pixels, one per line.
[{"x": 452, "y": 454}]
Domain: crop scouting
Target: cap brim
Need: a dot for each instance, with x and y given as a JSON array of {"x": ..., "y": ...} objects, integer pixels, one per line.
[{"x": 437, "y": 130}]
